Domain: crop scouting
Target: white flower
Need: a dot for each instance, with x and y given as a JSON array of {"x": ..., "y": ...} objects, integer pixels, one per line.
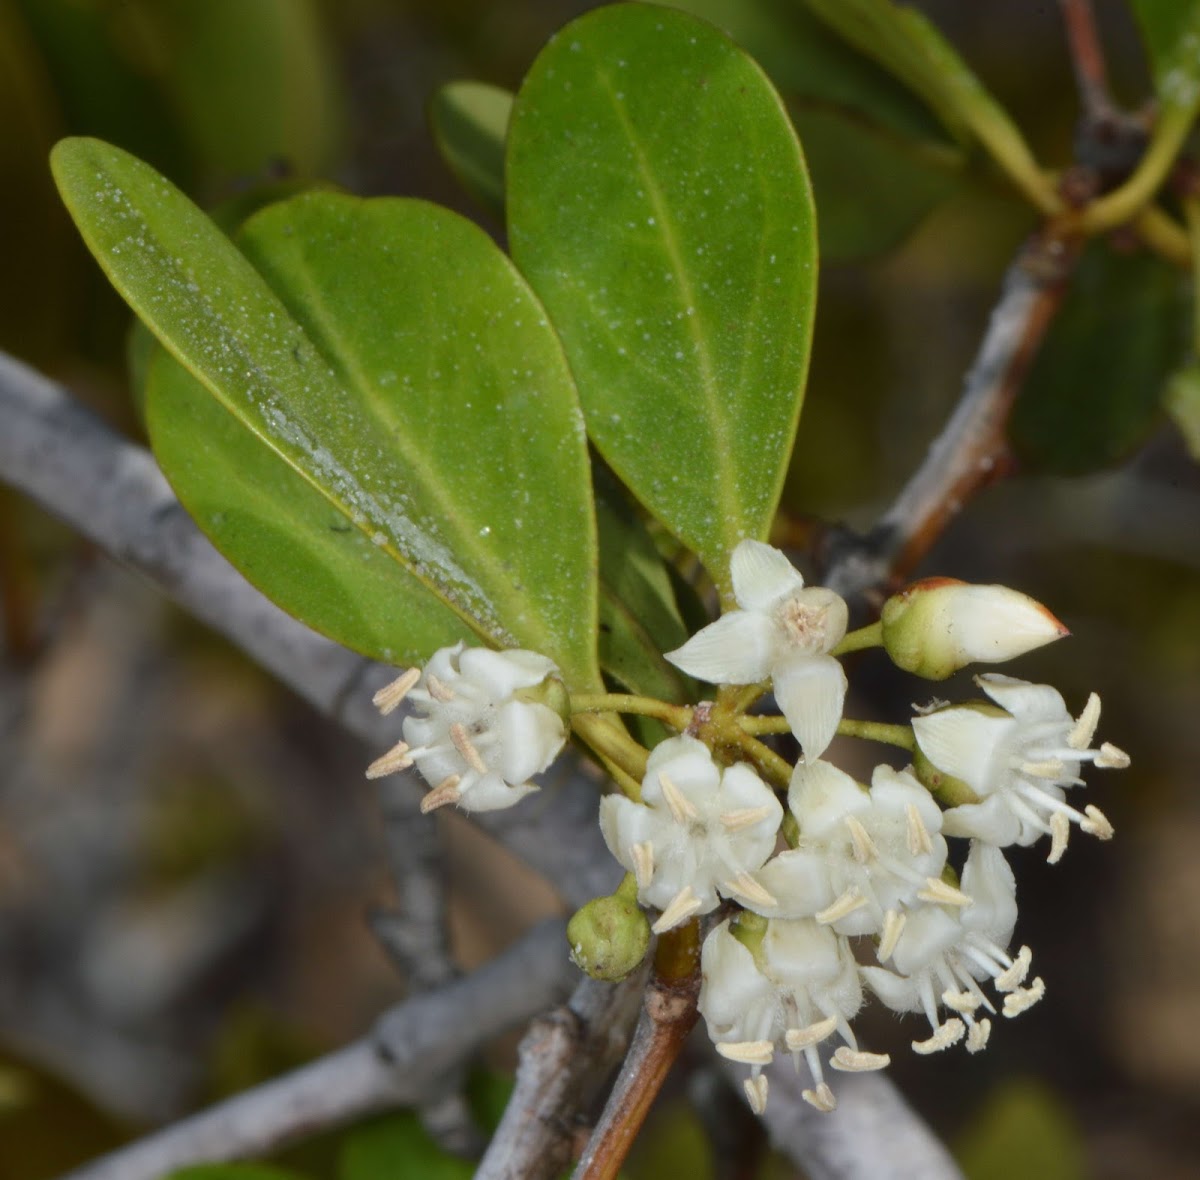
[
  {"x": 697, "y": 832},
  {"x": 783, "y": 632},
  {"x": 475, "y": 741},
  {"x": 1018, "y": 761},
  {"x": 863, "y": 856},
  {"x": 940, "y": 954},
  {"x": 799, "y": 986},
  {"x": 938, "y": 625}
]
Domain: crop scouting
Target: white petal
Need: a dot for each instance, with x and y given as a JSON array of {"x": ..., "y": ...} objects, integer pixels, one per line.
[
  {"x": 899, "y": 994},
  {"x": 820, "y": 796},
  {"x": 688, "y": 763},
  {"x": 996, "y": 623},
  {"x": 992, "y": 821},
  {"x": 529, "y": 737},
  {"x": 760, "y": 575},
  {"x": 928, "y": 934},
  {"x": 988, "y": 878},
  {"x": 737, "y": 649},
  {"x": 624, "y": 823},
  {"x": 1027, "y": 702},
  {"x": 964, "y": 744},
  {"x": 799, "y": 881},
  {"x": 490, "y": 792},
  {"x": 732, "y": 988},
  {"x": 811, "y": 691},
  {"x": 501, "y": 673}
]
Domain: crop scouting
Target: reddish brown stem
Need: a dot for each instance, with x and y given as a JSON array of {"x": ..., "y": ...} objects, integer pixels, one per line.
[{"x": 1087, "y": 56}]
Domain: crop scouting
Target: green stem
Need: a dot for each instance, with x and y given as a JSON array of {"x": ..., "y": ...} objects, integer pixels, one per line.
[
  {"x": 879, "y": 731},
  {"x": 1191, "y": 217},
  {"x": 770, "y": 763},
  {"x": 616, "y": 748},
  {"x": 768, "y": 723},
  {"x": 676, "y": 716},
  {"x": 1123, "y": 203},
  {"x": 869, "y": 636}
]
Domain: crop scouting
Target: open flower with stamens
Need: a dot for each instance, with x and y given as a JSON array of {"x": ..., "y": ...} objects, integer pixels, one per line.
[
  {"x": 787, "y": 988},
  {"x": 470, "y": 733},
  {"x": 942, "y": 952},
  {"x": 699, "y": 831},
  {"x": 783, "y": 632},
  {"x": 864, "y": 856},
  {"x": 1018, "y": 759}
]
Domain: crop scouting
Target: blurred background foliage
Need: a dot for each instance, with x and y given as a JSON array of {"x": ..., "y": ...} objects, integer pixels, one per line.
[{"x": 186, "y": 854}]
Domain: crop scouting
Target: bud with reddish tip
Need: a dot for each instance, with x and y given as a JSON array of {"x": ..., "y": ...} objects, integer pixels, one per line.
[{"x": 938, "y": 625}]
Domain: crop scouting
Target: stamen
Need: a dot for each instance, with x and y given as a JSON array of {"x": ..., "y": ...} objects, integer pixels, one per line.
[
  {"x": 1096, "y": 823},
  {"x": 746, "y": 886},
  {"x": 745, "y": 817},
  {"x": 977, "y": 1038},
  {"x": 756, "y": 1093},
  {"x": 893, "y": 925},
  {"x": 437, "y": 689},
  {"x": 801, "y": 1038},
  {"x": 1051, "y": 768},
  {"x": 397, "y": 758},
  {"x": 445, "y": 792},
  {"x": 681, "y": 806},
  {"x": 856, "y": 1061},
  {"x": 747, "y": 1052},
  {"x": 643, "y": 863},
  {"x": 1111, "y": 757},
  {"x": 850, "y": 901},
  {"x": 864, "y": 846},
  {"x": 919, "y": 840},
  {"x": 943, "y": 1037},
  {"x": 1014, "y": 976},
  {"x": 683, "y": 905},
  {"x": 1084, "y": 730},
  {"x": 390, "y": 696},
  {"x": 965, "y": 1002},
  {"x": 462, "y": 743},
  {"x": 1060, "y": 831},
  {"x": 940, "y": 893},
  {"x": 822, "y": 1098},
  {"x": 1024, "y": 998}
]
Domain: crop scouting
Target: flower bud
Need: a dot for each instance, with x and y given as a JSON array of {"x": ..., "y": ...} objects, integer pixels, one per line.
[
  {"x": 609, "y": 936},
  {"x": 938, "y": 625}
]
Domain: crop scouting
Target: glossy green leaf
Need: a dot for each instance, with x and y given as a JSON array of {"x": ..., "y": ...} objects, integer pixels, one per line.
[
  {"x": 639, "y": 618},
  {"x": 1095, "y": 385},
  {"x": 658, "y": 204},
  {"x": 397, "y": 1145},
  {"x": 1182, "y": 403},
  {"x": 1171, "y": 32},
  {"x": 391, "y": 357},
  {"x": 879, "y": 160},
  {"x": 470, "y": 122}
]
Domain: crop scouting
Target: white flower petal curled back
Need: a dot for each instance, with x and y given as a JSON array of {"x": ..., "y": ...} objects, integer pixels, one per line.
[
  {"x": 782, "y": 631},
  {"x": 863, "y": 857},
  {"x": 798, "y": 989},
  {"x": 474, "y": 743},
  {"x": 1019, "y": 762},
  {"x": 942, "y": 953},
  {"x": 697, "y": 835}
]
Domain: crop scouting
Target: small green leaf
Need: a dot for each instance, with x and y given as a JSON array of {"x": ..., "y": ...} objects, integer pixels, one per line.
[
  {"x": 1182, "y": 403},
  {"x": 470, "y": 122},
  {"x": 1171, "y": 31},
  {"x": 1095, "y": 385},
  {"x": 397, "y": 1145},
  {"x": 658, "y": 204},
  {"x": 399, "y": 366}
]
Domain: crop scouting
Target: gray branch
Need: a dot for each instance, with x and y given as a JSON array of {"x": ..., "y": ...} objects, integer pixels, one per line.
[{"x": 410, "y": 1048}]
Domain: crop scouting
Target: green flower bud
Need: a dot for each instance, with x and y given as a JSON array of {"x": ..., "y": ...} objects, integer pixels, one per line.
[{"x": 609, "y": 936}]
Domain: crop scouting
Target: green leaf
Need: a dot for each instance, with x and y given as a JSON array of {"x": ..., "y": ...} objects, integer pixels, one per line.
[
  {"x": 1095, "y": 385},
  {"x": 658, "y": 204},
  {"x": 397, "y": 1145},
  {"x": 1171, "y": 31},
  {"x": 1023, "y": 1129},
  {"x": 470, "y": 121},
  {"x": 639, "y": 618},
  {"x": 1182, "y": 403},
  {"x": 365, "y": 371}
]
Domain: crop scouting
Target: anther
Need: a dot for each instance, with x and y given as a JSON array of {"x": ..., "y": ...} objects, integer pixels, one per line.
[
  {"x": 977, "y": 1038},
  {"x": 1084, "y": 729},
  {"x": 864, "y": 846},
  {"x": 856, "y": 1061},
  {"x": 943, "y": 1037},
  {"x": 744, "y": 885},
  {"x": 1060, "y": 831},
  {"x": 822, "y": 1098},
  {"x": 919, "y": 841},
  {"x": 893, "y": 926},
  {"x": 397, "y": 758},
  {"x": 965, "y": 1002},
  {"x": 745, "y": 817},
  {"x": 803, "y": 1038},
  {"x": 681, "y": 806},
  {"x": 845, "y": 905},
  {"x": 1112, "y": 757},
  {"x": 643, "y": 863},
  {"x": 390, "y": 696},
  {"x": 747, "y": 1052},
  {"x": 462, "y": 743},
  {"x": 1050, "y": 768},
  {"x": 445, "y": 792},
  {"x": 1014, "y": 976},
  {"x": 940, "y": 893},
  {"x": 683, "y": 905},
  {"x": 1096, "y": 824},
  {"x": 437, "y": 689},
  {"x": 756, "y": 1093},
  {"x": 1024, "y": 998}
]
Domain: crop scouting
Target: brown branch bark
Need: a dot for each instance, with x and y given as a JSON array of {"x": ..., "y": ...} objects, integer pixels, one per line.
[{"x": 1087, "y": 59}]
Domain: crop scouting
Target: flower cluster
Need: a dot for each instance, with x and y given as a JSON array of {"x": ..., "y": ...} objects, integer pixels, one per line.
[{"x": 850, "y": 888}]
